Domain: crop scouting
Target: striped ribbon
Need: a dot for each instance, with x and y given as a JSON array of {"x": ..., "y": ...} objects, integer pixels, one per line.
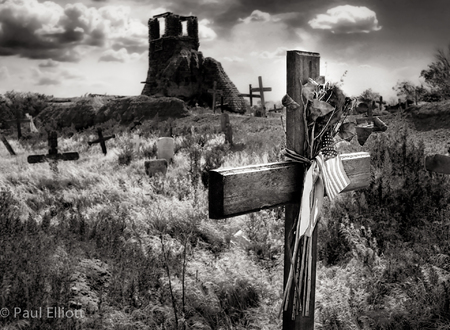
[
  {"x": 332, "y": 171},
  {"x": 325, "y": 175}
]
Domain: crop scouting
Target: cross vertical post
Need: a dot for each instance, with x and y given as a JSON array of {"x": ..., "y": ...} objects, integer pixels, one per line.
[
  {"x": 250, "y": 93},
  {"x": 215, "y": 91},
  {"x": 263, "y": 107},
  {"x": 300, "y": 66}
]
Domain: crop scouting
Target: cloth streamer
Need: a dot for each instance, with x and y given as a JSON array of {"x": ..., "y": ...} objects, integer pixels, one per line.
[{"x": 325, "y": 175}]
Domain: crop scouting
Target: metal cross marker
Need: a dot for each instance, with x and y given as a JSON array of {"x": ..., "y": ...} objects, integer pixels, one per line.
[
  {"x": 438, "y": 163},
  {"x": 215, "y": 91},
  {"x": 247, "y": 189},
  {"x": 101, "y": 140},
  {"x": 7, "y": 145},
  {"x": 53, "y": 156}
]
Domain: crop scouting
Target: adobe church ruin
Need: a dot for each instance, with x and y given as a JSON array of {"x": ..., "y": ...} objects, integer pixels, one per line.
[{"x": 178, "y": 69}]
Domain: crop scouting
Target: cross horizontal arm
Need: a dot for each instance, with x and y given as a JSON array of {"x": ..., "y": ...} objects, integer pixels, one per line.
[
  {"x": 100, "y": 140},
  {"x": 251, "y": 95},
  {"x": 242, "y": 190},
  {"x": 32, "y": 159},
  {"x": 217, "y": 91},
  {"x": 264, "y": 89}
]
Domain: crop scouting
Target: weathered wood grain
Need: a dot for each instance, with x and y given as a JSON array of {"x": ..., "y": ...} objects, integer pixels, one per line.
[
  {"x": 438, "y": 164},
  {"x": 251, "y": 188}
]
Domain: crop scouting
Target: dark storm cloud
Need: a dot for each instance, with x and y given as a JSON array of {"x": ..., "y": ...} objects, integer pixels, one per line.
[{"x": 48, "y": 31}]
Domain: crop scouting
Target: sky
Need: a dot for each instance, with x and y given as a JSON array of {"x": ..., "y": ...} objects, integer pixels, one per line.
[{"x": 67, "y": 48}]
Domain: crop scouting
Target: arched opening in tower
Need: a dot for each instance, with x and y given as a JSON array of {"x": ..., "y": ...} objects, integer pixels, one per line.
[
  {"x": 162, "y": 26},
  {"x": 184, "y": 29}
]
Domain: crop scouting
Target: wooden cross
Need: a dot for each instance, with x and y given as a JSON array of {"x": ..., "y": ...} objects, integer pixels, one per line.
[
  {"x": 101, "y": 140},
  {"x": 237, "y": 191},
  {"x": 7, "y": 145},
  {"x": 261, "y": 91},
  {"x": 438, "y": 163},
  {"x": 18, "y": 123},
  {"x": 215, "y": 91},
  {"x": 53, "y": 156},
  {"x": 250, "y": 95}
]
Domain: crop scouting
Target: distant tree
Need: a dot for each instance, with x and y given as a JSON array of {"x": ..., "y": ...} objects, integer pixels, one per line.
[
  {"x": 437, "y": 76},
  {"x": 409, "y": 91},
  {"x": 14, "y": 106},
  {"x": 369, "y": 97}
]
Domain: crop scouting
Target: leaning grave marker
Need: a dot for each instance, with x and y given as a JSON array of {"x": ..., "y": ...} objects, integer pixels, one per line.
[
  {"x": 7, "y": 145},
  {"x": 101, "y": 140},
  {"x": 247, "y": 189}
]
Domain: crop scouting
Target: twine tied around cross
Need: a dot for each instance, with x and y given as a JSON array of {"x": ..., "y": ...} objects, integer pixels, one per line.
[{"x": 325, "y": 175}]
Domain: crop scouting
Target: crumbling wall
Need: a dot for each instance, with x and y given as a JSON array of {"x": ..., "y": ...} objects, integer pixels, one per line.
[
  {"x": 213, "y": 71},
  {"x": 178, "y": 69}
]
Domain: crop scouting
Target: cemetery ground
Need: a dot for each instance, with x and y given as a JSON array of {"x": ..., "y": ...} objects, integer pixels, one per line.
[{"x": 132, "y": 252}]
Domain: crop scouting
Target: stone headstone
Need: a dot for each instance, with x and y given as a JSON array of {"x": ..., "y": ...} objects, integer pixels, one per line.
[
  {"x": 156, "y": 166},
  {"x": 166, "y": 148}
]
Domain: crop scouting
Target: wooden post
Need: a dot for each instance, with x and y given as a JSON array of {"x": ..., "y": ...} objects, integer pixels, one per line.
[
  {"x": 300, "y": 67},
  {"x": 18, "y": 123},
  {"x": 214, "y": 91},
  {"x": 7, "y": 145},
  {"x": 101, "y": 140},
  {"x": 263, "y": 102},
  {"x": 261, "y": 89},
  {"x": 251, "y": 94}
]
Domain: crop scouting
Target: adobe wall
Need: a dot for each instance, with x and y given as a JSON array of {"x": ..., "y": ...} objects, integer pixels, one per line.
[{"x": 178, "y": 69}]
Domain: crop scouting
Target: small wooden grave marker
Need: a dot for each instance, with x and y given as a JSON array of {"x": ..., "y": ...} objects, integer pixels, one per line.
[
  {"x": 7, "y": 145},
  {"x": 242, "y": 190},
  {"x": 18, "y": 123},
  {"x": 215, "y": 92},
  {"x": 438, "y": 163},
  {"x": 53, "y": 156},
  {"x": 225, "y": 125},
  {"x": 369, "y": 124},
  {"x": 156, "y": 166},
  {"x": 166, "y": 148},
  {"x": 101, "y": 140}
]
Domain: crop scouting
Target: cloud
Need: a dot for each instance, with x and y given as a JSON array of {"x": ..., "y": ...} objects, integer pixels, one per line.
[
  {"x": 233, "y": 59},
  {"x": 346, "y": 19},
  {"x": 121, "y": 55},
  {"x": 205, "y": 33},
  {"x": 260, "y": 16},
  {"x": 48, "y": 31},
  {"x": 280, "y": 52},
  {"x": 256, "y": 16},
  {"x": 4, "y": 73},
  {"x": 54, "y": 77},
  {"x": 45, "y": 81},
  {"x": 49, "y": 64}
]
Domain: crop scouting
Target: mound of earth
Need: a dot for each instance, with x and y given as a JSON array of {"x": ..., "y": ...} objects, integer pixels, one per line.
[
  {"x": 431, "y": 116},
  {"x": 89, "y": 111},
  {"x": 127, "y": 109}
]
